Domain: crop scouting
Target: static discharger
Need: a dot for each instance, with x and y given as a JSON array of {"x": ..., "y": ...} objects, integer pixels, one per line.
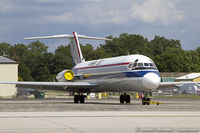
[{"x": 69, "y": 75}]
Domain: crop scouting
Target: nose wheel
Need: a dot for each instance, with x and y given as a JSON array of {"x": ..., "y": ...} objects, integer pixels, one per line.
[
  {"x": 125, "y": 98},
  {"x": 146, "y": 101}
]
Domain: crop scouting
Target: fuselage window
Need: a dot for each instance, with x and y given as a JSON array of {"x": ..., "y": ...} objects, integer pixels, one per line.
[{"x": 146, "y": 64}]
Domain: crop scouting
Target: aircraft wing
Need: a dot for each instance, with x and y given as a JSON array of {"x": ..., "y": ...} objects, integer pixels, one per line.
[
  {"x": 66, "y": 36},
  {"x": 51, "y": 85},
  {"x": 174, "y": 84}
]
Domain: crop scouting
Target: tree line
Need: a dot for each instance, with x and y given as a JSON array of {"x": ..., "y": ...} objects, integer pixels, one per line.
[{"x": 36, "y": 63}]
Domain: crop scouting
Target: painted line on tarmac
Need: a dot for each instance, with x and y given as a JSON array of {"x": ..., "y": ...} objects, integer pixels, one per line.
[{"x": 100, "y": 116}]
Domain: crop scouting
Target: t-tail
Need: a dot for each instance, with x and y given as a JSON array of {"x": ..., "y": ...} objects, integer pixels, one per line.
[
  {"x": 74, "y": 44},
  {"x": 77, "y": 56}
]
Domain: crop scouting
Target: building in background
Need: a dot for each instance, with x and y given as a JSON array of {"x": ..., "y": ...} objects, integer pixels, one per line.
[
  {"x": 189, "y": 89},
  {"x": 195, "y": 77},
  {"x": 8, "y": 72}
]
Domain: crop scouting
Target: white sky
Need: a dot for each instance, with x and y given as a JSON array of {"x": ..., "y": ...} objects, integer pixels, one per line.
[{"x": 176, "y": 19}]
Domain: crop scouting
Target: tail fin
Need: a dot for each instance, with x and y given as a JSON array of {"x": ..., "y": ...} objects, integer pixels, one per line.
[
  {"x": 74, "y": 44},
  {"x": 76, "y": 50}
]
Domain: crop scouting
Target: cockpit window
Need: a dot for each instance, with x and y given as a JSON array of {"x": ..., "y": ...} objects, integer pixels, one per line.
[
  {"x": 140, "y": 64},
  {"x": 129, "y": 66},
  {"x": 135, "y": 64},
  {"x": 150, "y": 64}
]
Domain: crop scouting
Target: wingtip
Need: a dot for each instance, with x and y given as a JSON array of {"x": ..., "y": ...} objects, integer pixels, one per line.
[{"x": 108, "y": 39}]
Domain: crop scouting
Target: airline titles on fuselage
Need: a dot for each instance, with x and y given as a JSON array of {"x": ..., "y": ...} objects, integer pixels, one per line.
[{"x": 95, "y": 63}]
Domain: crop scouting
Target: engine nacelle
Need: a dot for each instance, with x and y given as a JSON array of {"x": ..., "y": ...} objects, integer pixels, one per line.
[{"x": 66, "y": 75}]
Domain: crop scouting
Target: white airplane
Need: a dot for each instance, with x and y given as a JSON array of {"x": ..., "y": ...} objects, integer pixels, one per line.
[{"x": 124, "y": 74}]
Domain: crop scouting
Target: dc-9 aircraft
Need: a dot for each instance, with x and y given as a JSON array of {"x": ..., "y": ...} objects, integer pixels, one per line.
[{"x": 124, "y": 74}]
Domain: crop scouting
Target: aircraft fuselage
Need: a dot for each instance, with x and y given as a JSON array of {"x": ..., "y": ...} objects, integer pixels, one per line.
[{"x": 119, "y": 74}]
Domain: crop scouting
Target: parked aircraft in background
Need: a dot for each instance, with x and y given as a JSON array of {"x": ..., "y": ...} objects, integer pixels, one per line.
[{"x": 124, "y": 74}]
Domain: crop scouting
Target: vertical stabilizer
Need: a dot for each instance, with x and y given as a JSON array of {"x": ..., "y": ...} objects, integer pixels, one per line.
[{"x": 75, "y": 49}]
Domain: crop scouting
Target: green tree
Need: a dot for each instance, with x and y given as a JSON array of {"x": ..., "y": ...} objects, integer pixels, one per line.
[
  {"x": 4, "y": 48},
  {"x": 18, "y": 52},
  {"x": 62, "y": 59},
  {"x": 36, "y": 51},
  {"x": 160, "y": 44},
  {"x": 127, "y": 44},
  {"x": 24, "y": 72},
  {"x": 171, "y": 60},
  {"x": 37, "y": 47},
  {"x": 44, "y": 66}
]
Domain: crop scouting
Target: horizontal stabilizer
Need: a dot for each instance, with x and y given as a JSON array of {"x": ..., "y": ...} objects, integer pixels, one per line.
[
  {"x": 50, "y": 37},
  {"x": 93, "y": 38},
  {"x": 66, "y": 36}
]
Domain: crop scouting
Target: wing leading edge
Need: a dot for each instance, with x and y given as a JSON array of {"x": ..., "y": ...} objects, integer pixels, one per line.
[{"x": 51, "y": 84}]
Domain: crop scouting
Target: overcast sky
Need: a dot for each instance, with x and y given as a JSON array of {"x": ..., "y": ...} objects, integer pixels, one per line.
[{"x": 177, "y": 19}]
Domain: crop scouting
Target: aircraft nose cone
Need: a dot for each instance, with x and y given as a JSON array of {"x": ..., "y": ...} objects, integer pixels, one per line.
[{"x": 151, "y": 81}]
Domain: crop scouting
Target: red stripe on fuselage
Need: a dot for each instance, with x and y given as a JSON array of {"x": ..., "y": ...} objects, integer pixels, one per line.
[
  {"x": 77, "y": 46},
  {"x": 118, "y": 64}
]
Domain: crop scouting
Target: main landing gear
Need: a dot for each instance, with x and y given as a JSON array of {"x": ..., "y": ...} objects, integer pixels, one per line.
[
  {"x": 79, "y": 97},
  {"x": 125, "y": 98}
]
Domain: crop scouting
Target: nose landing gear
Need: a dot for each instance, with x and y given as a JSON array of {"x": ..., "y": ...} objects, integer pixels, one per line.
[{"x": 145, "y": 99}]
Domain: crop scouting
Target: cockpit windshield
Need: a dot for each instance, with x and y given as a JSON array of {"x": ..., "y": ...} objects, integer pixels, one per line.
[{"x": 137, "y": 65}]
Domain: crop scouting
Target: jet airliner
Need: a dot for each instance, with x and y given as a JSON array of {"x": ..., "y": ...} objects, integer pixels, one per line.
[{"x": 124, "y": 74}]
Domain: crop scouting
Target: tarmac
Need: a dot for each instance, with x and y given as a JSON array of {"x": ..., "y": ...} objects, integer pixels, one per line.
[
  {"x": 63, "y": 116},
  {"x": 67, "y": 104}
]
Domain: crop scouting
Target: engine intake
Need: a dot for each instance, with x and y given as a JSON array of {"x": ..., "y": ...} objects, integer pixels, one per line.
[
  {"x": 69, "y": 75},
  {"x": 66, "y": 75}
]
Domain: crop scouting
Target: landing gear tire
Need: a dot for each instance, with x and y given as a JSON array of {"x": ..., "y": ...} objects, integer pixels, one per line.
[
  {"x": 121, "y": 99},
  {"x": 128, "y": 98},
  {"x": 82, "y": 98},
  {"x": 76, "y": 98},
  {"x": 146, "y": 101},
  {"x": 125, "y": 98},
  {"x": 143, "y": 101}
]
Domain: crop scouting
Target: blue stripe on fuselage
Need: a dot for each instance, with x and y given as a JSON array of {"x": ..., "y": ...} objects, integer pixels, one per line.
[{"x": 140, "y": 73}]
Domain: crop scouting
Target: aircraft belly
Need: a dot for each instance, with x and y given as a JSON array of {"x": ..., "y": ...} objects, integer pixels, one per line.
[{"x": 119, "y": 85}]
